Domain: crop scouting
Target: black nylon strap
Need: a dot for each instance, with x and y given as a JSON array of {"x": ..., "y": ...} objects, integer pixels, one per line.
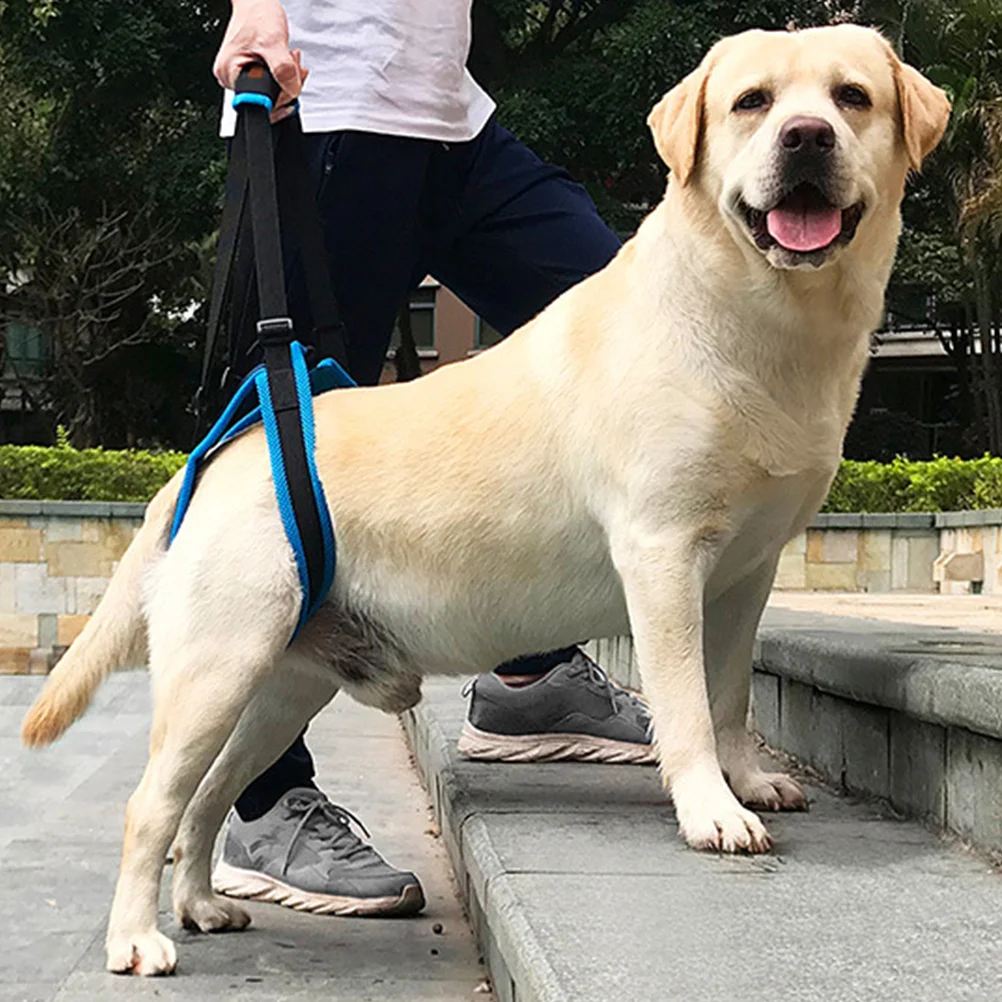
[
  {"x": 282, "y": 387},
  {"x": 234, "y": 303},
  {"x": 254, "y": 132},
  {"x": 299, "y": 211},
  {"x": 230, "y": 231},
  {"x": 254, "y": 185}
]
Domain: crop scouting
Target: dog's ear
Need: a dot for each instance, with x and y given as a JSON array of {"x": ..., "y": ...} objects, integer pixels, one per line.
[
  {"x": 925, "y": 112},
  {"x": 676, "y": 123}
]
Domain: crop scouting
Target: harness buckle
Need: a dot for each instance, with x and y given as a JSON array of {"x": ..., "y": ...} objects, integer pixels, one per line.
[{"x": 274, "y": 331}]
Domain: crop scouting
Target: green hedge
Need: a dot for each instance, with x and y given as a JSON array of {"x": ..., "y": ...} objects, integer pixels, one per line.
[
  {"x": 910, "y": 485},
  {"x": 64, "y": 473}
]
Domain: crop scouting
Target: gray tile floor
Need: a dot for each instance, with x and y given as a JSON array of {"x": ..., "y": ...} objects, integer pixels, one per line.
[{"x": 61, "y": 813}]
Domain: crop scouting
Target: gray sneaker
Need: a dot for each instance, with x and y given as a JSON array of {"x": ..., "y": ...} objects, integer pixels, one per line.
[
  {"x": 573, "y": 713},
  {"x": 304, "y": 854}
]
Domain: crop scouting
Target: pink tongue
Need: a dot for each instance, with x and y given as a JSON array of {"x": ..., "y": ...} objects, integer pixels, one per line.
[{"x": 804, "y": 229}]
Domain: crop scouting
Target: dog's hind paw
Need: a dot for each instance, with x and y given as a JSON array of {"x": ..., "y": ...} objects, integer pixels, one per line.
[
  {"x": 212, "y": 914},
  {"x": 145, "y": 953}
]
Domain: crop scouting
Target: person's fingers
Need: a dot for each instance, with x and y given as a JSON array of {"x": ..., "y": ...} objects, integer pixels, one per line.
[
  {"x": 284, "y": 69},
  {"x": 229, "y": 64}
]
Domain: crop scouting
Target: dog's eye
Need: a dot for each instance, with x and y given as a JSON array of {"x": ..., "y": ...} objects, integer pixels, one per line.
[
  {"x": 754, "y": 100},
  {"x": 852, "y": 96}
]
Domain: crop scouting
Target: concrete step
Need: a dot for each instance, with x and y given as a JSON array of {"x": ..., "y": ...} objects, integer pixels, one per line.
[
  {"x": 909, "y": 713},
  {"x": 581, "y": 891}
]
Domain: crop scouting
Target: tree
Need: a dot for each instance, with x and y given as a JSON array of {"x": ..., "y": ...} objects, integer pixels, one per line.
[
  {"x": 953, "y": 233},
  {"x": 108, "y": 138},
  {"x": 575, "y": 79}
]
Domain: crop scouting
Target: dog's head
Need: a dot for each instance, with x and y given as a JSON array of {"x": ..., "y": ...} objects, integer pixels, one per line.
[{"x": 799, "y": 138}]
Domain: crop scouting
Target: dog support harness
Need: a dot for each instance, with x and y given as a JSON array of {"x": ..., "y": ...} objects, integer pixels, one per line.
[{"x": 282, "y": 385}]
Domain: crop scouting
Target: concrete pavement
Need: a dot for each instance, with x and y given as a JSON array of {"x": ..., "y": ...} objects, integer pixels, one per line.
[
  {"x": 61, "y": 814},
  {"x": 963, "y": 612},
  {"x": 581, "y": 891}
]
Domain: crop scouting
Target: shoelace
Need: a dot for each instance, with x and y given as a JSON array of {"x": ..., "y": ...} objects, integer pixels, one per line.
[
  {"x": 616, "y": 693},
  {"x": 335, "y": 816}
]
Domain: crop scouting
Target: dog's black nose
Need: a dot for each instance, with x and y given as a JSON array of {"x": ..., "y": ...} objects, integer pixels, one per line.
[{"x": 804, "y": 134}]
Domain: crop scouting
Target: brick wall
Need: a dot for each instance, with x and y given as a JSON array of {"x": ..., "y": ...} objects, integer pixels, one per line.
[{"x": 55, "y": 561}]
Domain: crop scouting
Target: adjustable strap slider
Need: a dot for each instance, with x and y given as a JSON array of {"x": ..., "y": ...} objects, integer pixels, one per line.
[{"x": 274, "y": 331}]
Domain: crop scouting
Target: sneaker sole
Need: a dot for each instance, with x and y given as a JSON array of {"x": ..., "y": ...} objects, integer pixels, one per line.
[
  {"x": 251, "y": 885},
  {"x": 487, "y": 747}
]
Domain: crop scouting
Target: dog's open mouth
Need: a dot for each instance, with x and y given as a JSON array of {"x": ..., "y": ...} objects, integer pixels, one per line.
[{"x": 803, "y": 221}]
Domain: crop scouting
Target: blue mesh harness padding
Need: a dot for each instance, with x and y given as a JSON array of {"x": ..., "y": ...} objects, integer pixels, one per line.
[{"x": 327, "y": 375}]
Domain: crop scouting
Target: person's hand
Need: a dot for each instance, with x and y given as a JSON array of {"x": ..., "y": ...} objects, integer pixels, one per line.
[{"x": 259, "y": 30}]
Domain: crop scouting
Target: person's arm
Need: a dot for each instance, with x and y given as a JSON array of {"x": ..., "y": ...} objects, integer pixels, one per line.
[{"x": 258, "y": 29}]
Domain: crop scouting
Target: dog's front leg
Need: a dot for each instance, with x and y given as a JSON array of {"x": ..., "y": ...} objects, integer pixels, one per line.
[
  {"x": 732, "y": 620},
  {"x": 664, "y": 577}
]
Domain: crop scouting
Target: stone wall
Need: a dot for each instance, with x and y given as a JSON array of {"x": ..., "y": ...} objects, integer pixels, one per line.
[
  {"x": 872, "y": 553},
  {"x": 970, "y": 552},
  {"x": 55, "y": 561},
  {"x": 56, "y": 558}
]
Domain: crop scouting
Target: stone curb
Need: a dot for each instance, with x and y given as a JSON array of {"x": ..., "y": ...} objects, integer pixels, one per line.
[
  {"x": 940, "y": 676},
  {"x": 909, "y": 714},
  {"x": 876, "y": 520},
  {"x": 579, "y": 889},
  {"x": 73, "y": 509},
  {"x": 962, "y": 519},
  {"x": 517, "y": 960}
]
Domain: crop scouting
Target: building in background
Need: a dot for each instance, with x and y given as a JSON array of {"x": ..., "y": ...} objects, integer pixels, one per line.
[{"x": 445, "y": 330}]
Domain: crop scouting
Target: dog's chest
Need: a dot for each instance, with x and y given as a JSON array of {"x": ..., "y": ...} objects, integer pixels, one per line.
[{"x": 764, "y": 521}]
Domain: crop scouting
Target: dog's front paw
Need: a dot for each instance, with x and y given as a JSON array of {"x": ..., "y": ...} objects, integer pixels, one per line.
[
  {"x": 709, "y": 817},
  {"x": 769, "y": 791},
  {"x": 212, "y": 914},
  {"x": 145, "y": 953}
]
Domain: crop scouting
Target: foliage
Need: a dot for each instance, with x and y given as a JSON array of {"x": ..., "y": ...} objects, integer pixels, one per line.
[
  {"x": 576, "y": 80},
  {"x": 953, "y": 218},
  {"x": 940, "y": 484},
  {"x": 109, "y": 158},
  {"x": 110, "y": 113},
  {"x": 66, "y": 474}
]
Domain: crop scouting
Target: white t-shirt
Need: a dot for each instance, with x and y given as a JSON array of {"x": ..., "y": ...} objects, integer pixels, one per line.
[{"x": 396, "y": 67}]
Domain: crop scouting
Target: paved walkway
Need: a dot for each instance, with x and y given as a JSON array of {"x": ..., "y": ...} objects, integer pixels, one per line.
[
  {"x": 586, "y": 893},
  {"x": 61, "y": 816},
  {"x": 965, "y": 612}
]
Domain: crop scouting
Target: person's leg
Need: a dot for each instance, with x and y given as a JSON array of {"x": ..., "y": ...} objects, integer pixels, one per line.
[
  {"x": 368, "y": 191},
  {"x": 525, "y": 233},
  {"x": 369, "y": 188},
  {"x": 518, "y": 233},
  {"x": 521, "y": 231}
]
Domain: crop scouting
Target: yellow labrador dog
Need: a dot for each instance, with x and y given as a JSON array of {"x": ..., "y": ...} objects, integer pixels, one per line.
[{"x": 632, "y": 459}]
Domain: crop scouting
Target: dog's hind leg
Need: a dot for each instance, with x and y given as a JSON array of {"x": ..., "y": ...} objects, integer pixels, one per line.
[
  {"x": 290, "y": 696},
  {"x": 201, "y": 685}
]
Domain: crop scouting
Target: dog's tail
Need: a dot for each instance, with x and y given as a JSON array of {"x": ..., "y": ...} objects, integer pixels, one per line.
[{"x": 114, "y": 637}]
